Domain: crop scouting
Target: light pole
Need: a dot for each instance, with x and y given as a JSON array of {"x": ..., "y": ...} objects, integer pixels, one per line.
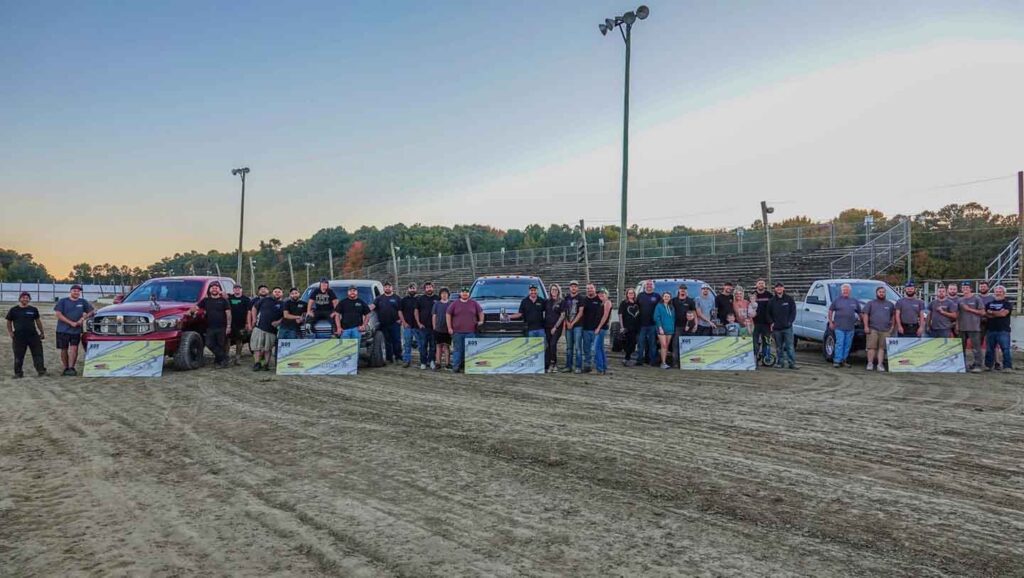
[
  {"x": 625, "y": 21},
  {"x": 765, "y": 211},
  {"x": 241, "y": 218},
  {"x": 308, "y": 265}
]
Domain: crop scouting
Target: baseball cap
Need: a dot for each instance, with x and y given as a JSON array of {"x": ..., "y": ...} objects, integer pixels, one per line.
[
  {"x": 325, "y": 280},
  {"x": 965, "y": 284},
  {"x": 464, "y": 290},
  {"x": 909, "y": 284},
  {"x": 683, "y": 286},
  {"x": 76, "y": 286},
  {"x": 353, "y": 288},
  {"x": 574, "y": 282},
  {"x": 217, "y": 283},
  {"x": 780, "y": 284},
  {"x": 603, "y": 290},
  {"x": 532, "y": 286},
  {"x": 24, "y": 294},
  {"x": 387, "y": 283}
]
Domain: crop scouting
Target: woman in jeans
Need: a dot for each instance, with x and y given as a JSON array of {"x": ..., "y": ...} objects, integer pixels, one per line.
[
  {"x": 665, "y": 321},
  {"x": 554, "y": 316},
  {"x": 629, "y": 323},
  {"x": 600, "y": 357}
]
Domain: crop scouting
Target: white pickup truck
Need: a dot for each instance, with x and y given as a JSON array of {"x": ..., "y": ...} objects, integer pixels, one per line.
[{"x": 812, "y": 313}]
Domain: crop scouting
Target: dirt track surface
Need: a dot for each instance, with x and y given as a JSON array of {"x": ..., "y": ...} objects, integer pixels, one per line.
[{"x": 404, "y": 472}]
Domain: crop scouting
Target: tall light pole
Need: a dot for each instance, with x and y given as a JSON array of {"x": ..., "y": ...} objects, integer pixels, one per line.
[
  {"x": 241, "y": 218},
  {"x": 765, "y": 211},
  {"x": 308, "y": 265},
  {"x": 625, "y": 25}
]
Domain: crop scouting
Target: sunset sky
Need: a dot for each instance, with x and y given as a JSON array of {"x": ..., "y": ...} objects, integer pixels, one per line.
[{"x": 121, "y": 121}]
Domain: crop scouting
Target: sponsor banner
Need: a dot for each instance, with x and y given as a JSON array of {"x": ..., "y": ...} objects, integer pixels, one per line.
[
  {"x": 925, "y": 355},
  {"x": 504, "y": 355},
  {"x": 124, "y": 359},
  {"x": 717, "y": 353},
  {"x": 317, "y": 356}
]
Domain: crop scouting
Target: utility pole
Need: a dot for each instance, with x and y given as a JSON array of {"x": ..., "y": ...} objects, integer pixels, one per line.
[
  {"x": 217, "y": 266},
  {"x": 291, "y": 272},
  {"x": 330, "y": 261},
  {"x": 765, "y": 211},
  {"x": 586, "y": 251},
  {"x": 910, "y": 250},
  {"x": 252, "y": 275},
  {"x": 394, "y": 262},
  {"x": 472, "y": 257},
  {"x": 308, "y": 265},
  {"x": 241, "y": 217}
]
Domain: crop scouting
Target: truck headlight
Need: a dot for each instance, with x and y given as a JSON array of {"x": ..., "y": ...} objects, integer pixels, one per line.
[{"x": 165, "y": 323}]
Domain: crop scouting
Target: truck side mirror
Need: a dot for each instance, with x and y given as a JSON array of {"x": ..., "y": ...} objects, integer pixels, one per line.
[{"x": 118, "y": 298}]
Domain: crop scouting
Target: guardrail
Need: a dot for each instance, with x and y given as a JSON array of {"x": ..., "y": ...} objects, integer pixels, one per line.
[
  {"x": 51, "y": 292},
  {"x": 875, "y": 256}
]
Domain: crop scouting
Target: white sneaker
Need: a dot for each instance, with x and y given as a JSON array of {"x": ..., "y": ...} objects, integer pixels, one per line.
[
  {"x": 871, "y": 367},
  {"x": 880, "y": 367},
  {"x": 422, "y": 366},
  {"x": 433, "y": 365},
  {"x": 664, "y": 366}
]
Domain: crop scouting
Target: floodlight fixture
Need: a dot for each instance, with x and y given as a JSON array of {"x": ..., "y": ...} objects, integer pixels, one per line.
[{"x": 643, "y": 12}]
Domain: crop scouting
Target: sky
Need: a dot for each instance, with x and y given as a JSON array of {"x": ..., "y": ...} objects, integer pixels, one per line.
[{"x": 121, "y": 121}]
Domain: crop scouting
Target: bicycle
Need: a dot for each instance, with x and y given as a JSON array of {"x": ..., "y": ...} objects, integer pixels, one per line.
[{"x": 765, "y": 355}]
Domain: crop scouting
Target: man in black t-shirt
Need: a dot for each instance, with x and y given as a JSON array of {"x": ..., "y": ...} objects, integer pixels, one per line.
[
  {"x": 647, "y": 349},
  {"x": 723, "y": 303},
  {"x": 254, "y": 307},
  {"x": 593, "y": 311},
  {"x": 997, "y": 332},
  {"x": 293, "y": 312},
  {"x": 240, "y": 305},
  {"x": 322, "y": 302},
  {"x": 387, "y": 307},
  {"x": 424, "y": 315},
  {"x": 407, "y": 315},
  {"x": 218, "y": 322},
  {"x": 25, "y": 329},
  {"x": 682, "y": 303},
  {"x": 573, "y": 331},
  {"x": 352, "y": 316},
  {"x": 264, "y": 336},
  {"x": 762, "y": 324},
  {"x": 532, "y": 310}
]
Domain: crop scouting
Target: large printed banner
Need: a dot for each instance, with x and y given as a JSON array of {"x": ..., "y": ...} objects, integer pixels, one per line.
[
  {"x": 505, "y": 355},
  {"x": 317, "y": 356},
  {"x": 925, "y": 355},
  {"x": 124, "y": 359},
  {"x": 717, "y": 353}
]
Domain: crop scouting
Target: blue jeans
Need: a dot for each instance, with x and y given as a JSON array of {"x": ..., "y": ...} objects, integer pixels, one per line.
[
  {"x": 647, "y": 345},
  {"x": 600, "y": 357},
  {"x": 574, "y": 348},
  {"x": 407, "y": 334},
  {"x": 425, "y": 338},
  {"x": 392, "y": 341},
  {"x": 536, "y": 333},
  {"x": 588, "y": 347},
  {"x": 844, "y": 340},
  {"x": 939, "y": 333},
  {"x": 287, "y": 334},
  {"x": 784, "y": 347},
  {"x": 1002, "y": 339},
  {"x": 459, "y": 348},
  {"x": 351, "y": 333}
]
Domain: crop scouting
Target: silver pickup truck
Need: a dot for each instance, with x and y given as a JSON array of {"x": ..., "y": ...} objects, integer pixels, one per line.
[{"x": 812, "y": 313}]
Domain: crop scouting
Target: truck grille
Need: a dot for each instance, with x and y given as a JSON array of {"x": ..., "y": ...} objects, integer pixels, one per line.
[{"x": 122, "y": 325}]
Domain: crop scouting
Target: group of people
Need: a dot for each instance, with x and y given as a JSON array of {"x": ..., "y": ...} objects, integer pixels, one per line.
[
  {"x": 981, "y": 320},
  {"x": 650, "y": 323}
]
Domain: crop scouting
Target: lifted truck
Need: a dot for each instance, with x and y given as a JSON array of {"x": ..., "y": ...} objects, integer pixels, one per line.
[{"x": 498, "y": 294}]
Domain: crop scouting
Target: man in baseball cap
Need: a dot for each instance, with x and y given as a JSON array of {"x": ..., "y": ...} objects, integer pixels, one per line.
[
  {"x": 72, "y": 314},
  {"x": 387, "y": 306}
]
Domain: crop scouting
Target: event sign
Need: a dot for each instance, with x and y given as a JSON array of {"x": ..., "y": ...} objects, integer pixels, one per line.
[
  {"x": 124, "y": 359},
  {"x": 925, "y": 355},
  {"x": 717, "y": 353},
  {"x": 317, "y": 356},
  {"x": 492, "y": 355}
]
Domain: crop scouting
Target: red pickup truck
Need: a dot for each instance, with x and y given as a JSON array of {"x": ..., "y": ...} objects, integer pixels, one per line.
[{"x": 156, "y": 311}]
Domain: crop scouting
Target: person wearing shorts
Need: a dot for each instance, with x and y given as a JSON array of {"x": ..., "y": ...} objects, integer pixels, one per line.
[
  {"x": 264, "y": 336},
  {"x": 442, "y": 339},
  {"x": 72, "y": 313},
  {"x": 971, "y": 309},
  {"x": 877, "y": 318}
]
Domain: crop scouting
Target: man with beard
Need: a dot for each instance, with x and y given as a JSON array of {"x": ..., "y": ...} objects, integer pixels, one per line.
[
  {"x": 264, "y": 336},
  {"x": 647, "y": 349},
  {"x": 218, "y": 322},
  {"x": 240, "y": 305},
  {"x": 254, "y": 306},
  {"x": 407, "y": 315},
  {"x": 292, "y": 314},
  {"x": 322, "y": 303},
  {"x": 72, "y": 313},
  {"x": 424, "y": 317},
  {"x": 910, "y": 313},
  {"x": 387, "y": 306},
  {"x": 573, "y": 331},
  {"x": 723, "y": 303},
  {"x": 762, "y": 325},
  {"x": 877, "y": 318}
]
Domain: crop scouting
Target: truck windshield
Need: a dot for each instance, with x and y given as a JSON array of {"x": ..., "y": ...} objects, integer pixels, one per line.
[
  {"x": 672, "y": 287},
  {"x": 485, "y": 289},
  {"x": 182, "y": 290},
  {"x": 863, "y": 291},
  {"x": 365, "y": 292}
]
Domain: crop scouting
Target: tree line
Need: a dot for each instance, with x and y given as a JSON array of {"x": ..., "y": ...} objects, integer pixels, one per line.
[{"x": 956, "y": 241}]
